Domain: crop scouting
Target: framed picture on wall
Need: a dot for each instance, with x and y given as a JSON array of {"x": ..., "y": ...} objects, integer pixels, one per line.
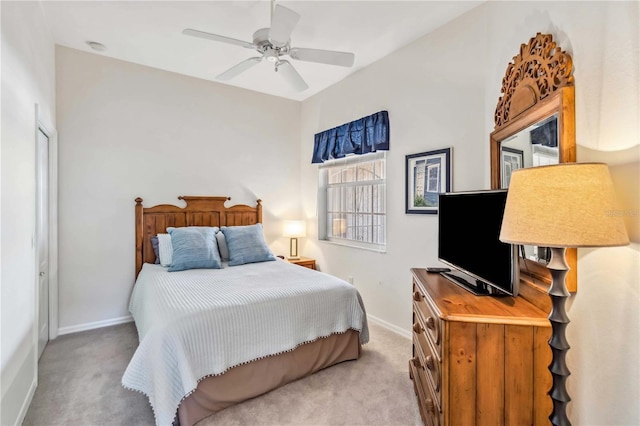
[
  {"x": 512, "y": 159},
  {"x": 427, "y": 175}
]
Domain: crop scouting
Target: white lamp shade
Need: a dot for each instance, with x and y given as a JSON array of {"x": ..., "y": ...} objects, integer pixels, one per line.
[
  {"x": 295, "y": 228},
  {"x": 565, "y": 205}
]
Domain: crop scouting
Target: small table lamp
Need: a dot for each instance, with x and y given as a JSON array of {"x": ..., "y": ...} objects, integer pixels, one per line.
[
  {"x": 560, "y": 206},
  {"x": 294, "y": 229}
]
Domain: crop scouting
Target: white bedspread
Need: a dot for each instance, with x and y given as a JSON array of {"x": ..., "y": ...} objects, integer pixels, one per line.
[{"x": 202, "y": 322}]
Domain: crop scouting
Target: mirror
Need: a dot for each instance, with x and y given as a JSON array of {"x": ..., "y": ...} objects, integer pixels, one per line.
[
  {"x": 535, "y": 126},
  {"x": 537, "y": 145}
]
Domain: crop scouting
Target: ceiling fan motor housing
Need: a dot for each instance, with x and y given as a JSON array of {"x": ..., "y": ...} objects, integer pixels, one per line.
[
  {"x": 261, "y": 39},
  {"x": 264, "y": 45}
]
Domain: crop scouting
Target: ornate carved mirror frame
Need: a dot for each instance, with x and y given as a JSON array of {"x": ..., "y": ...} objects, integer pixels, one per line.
[{"x": 538, "y": 84}]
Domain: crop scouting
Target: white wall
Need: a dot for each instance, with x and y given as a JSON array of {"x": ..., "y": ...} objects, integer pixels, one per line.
[
  {"x": 433, "y": 103},
  {"x": 27, "y": 79},
  {"x": 442, "y": 91},
  {"x": 127, "y": 131},
  {"x": 604, "y": 41}
]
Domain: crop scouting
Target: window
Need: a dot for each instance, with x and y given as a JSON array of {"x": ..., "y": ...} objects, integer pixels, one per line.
[
  {"x": 433, "y": 171},
  {"x": 352, "y": 201}
]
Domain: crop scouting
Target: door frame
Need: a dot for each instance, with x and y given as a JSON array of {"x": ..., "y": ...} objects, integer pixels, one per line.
[{"x": 44, "y": 124}]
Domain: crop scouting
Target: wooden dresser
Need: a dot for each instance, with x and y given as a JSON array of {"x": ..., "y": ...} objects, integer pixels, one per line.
[{"x": 478, "y": 360}]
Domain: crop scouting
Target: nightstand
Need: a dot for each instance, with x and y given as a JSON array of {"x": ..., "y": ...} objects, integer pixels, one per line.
[{"x": 303, "y": 261}]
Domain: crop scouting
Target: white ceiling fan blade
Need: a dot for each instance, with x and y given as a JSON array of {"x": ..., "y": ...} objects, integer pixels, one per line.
[
  {"x": 215, "y": 37},
  {"x": 282, "y": 24},
  {"x": 239, "y": 68},
  {"x": 291, "y": 75},
  {"x": 331, "y": 57}
]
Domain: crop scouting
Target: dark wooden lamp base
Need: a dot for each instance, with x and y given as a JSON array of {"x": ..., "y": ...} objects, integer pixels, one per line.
[{"x": 558, "y": 342}]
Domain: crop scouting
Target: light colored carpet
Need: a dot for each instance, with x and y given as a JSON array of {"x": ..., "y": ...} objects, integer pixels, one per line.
[{"x": 79, "y": 384}]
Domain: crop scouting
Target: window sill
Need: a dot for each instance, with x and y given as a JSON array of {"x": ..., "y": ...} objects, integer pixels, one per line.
[{"x": 355, "y": 245}]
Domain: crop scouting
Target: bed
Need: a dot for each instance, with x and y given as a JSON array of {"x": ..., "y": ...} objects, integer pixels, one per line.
[{"x": 211, "y": 338}]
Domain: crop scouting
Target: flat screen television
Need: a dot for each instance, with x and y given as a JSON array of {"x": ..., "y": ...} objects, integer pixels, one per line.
[{"x": 468, "y": 230}]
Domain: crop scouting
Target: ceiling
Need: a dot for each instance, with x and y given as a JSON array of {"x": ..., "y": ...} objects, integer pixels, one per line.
[{"x": 150, "y": 33}]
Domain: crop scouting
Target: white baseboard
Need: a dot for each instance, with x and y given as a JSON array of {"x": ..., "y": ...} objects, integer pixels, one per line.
[
  {"x": 27, "y": 402},
  {"x": 92, "y": 325},
  {"x": 402, "y": 332},
  {"x": 11, "y": 400}
]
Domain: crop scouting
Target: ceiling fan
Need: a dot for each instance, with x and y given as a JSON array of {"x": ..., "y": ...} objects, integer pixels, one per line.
[{"x": 274, "y": 42}]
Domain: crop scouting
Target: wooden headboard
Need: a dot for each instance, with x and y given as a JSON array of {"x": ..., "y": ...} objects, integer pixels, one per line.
[{"x": 199, "y": 211}]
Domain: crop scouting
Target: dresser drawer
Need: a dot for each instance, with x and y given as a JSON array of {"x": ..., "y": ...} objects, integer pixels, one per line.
[
  {"x": 428, "y": 319},
  {"x": 429, "y": 363},
  {"x": 428, "y": 409},
  {"x": 478, "y": 360}
]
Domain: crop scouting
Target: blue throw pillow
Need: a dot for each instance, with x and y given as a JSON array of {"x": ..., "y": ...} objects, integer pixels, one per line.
[
  {"x": 246, "y": 244},
  {"x": 194, "y": 247}
]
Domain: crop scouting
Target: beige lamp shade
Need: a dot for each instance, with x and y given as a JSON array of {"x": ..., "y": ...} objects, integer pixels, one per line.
[
  {"x": 295, "y": 228},
  {"x": 565, "y": 205}
]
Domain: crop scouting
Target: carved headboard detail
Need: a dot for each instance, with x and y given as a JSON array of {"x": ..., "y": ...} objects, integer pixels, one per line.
[
  {"x": 199, "y": 211},
  {"x": 538, "y": 70}
]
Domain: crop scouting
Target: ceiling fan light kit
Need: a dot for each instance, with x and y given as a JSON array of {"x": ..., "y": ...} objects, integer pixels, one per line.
[{"x": 274, "y": 42}]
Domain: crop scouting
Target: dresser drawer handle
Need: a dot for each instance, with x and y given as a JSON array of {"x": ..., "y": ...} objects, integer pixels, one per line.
[
  {"x": 416, "y": 362},
  {"x": 431, "y": 323},
  {"x": 417, "y": 296},
  {"x": 417, "y": 328},
  {"x": 429, "y": 363},
  {"x": 431, "y": 408}
]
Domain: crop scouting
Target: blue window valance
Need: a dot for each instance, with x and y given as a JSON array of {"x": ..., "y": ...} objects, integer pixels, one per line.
[{"x": 367, "y": 134}]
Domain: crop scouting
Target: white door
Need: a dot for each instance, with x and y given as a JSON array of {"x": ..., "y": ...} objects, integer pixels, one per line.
[{"x": 42, "y": 233}]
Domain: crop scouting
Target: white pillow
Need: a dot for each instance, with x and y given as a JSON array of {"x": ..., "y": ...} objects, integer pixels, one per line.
[
  {"x": 222, "y": 246},
  {"x": 165, "y": 249}
]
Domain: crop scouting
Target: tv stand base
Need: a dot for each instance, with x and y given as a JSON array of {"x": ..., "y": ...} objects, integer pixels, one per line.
[{"x": 479, "y": 289}]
